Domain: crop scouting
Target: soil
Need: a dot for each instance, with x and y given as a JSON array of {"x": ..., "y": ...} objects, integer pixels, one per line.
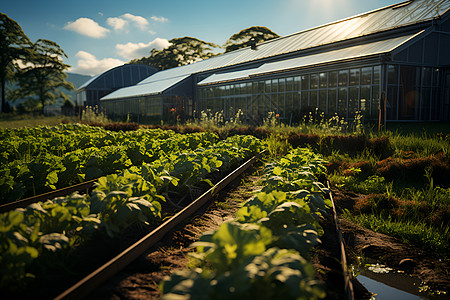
[
  {"x": 430, "y": 268},
  {"x": 141, "y": 279}
]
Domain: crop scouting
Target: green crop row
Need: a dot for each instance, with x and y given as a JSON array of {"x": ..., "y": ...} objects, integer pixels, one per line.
[
  {"x": 28, "y": 143},
  {"x": 48, "y": 171},
  {"x": 118, "y": 201},
  {"x": 261, "y": 254}
]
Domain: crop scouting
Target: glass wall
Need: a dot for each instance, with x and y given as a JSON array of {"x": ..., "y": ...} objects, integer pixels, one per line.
[
  {"x": 150, "y": 106},
  {"x": 412, "y": 93},
  {"x": 344, "y": 91}
]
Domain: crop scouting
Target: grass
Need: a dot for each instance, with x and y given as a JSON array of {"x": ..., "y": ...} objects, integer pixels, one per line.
[
  {"x": 30, "y": 120},
  {"x": 412, "y": 232}
]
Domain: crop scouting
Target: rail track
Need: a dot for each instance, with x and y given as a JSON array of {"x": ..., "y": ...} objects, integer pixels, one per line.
[
  {"x": 84, "y": 186},
  {"x": 89, "y": 283},
  {"x": 82, "y": 288}
]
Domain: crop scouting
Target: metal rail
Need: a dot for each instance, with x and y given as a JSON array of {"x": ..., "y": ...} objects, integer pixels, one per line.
[
  {"x": 348, "y": 286},
  {"x": 115, "y": 265},
  {"x": 50, "y": 195}
]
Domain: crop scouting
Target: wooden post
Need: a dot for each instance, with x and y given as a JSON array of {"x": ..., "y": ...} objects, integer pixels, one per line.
[{"x": 382, "y": 112}]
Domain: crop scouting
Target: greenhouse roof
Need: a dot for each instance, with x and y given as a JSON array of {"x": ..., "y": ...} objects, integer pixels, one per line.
[
  {"x": 229, "y": 76},
  {"x": 348, "y": 53},
  {"x": 383, "y": 19},
  {"x": 145, "y": 89}
]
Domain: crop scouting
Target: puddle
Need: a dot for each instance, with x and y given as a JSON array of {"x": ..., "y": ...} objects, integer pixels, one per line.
[{"x": 386, "y": 283}]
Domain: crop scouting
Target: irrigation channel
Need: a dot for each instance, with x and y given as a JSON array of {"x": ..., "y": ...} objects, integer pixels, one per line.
[{"x": 119, "y": 277}]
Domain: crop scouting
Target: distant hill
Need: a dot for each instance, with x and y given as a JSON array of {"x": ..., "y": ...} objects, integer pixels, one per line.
[{"x": 76, "y": 79}]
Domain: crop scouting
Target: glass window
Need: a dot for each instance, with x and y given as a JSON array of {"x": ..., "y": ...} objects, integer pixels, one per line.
[
  {"x": 426, "y": 76},
  {"x": 260, "y": 87},
  {"x": 332, "y": 79},
  {"x": 267, "y": 106},
  {"x": 375, "y": 101},
  {"x": 391, "y": 103},
  {"x": 281, "y": 85},
  {"x": 274, "y": 85},
  {"x": 376, "y": 75},
  {"x": 314, "y": 81},
  {"x": 323, "y": 80},
  {"x": 313, "y": 99},
  {"x": 435, "y": 112},
  {"x": 281, "y": 105},
  {"x": 261, "y": 102},
  {"x": 425, "y": 104},
  {"x": 364, "y": 100},
  {"x": 289, "y": 82},
  {"x": 248, "y": 87},
  {"x": 243, "y": 88},
  {"x": 392, "y": 74},
  {"x": 296, "y": 101},
  {"x": 435, "y": 77},
  {"x": 343, "y": 78},
  {"x": 305, "y": 82},
  {"x": 353, "y": 101},
  {"x": 289, "y": 103},
  {"x": 297, "y": 86},
  {"x": 210, "y": 93},
  {"x": 305, "y": 100},
  {"x": 366, "y": 74},
  {"x": 354, "y": 76},
  {"x": 342, "y": 102},
  {"x": 274, "y": 103},
  {"x": 331, "y": 101},
  {"x": 217, "y": 91},
  {"x": 407, "y": 106},
  {"x": 267, "y": 88},
  {"x": 323, "y": 100}
]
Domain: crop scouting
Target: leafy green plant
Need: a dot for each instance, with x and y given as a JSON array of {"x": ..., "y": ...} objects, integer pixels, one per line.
[{"x": 243, "y": 259}]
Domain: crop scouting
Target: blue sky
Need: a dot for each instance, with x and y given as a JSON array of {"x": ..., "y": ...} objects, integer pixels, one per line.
[{"x": 100, "y": 34}]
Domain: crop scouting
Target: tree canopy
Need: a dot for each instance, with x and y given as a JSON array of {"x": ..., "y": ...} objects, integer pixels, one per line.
[
  {"x": 13, "y": 41},
  {"x": 187, "y": 50},
  {"x": 42, "y": 74},
  {"x": 182, "y": 51},
  {"x": 249, "y": 37}
]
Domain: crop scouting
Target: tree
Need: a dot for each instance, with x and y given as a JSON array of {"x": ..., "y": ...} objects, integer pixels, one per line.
[
  {"x": 249, "y": 37},
  {"x": 13, "y": 41},
  {"x": 42, "y": 75},
  {"x": 182, "y": 51}
]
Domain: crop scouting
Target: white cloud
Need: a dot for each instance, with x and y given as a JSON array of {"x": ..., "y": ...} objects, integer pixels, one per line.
[
  {"x": 159, "y": 19},
  {"x": 132, "y": 50},
  {"x": 138, "y": 21},
  {"x": 123, "y": 22},
  {"x": 117, "y": 23},
  {"x": 88, "y": 64},
  {"x": 88, "y": 27}
]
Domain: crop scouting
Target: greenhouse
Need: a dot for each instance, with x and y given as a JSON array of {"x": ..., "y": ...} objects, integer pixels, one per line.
[
  {"x": 392, "y": 62},
  {"x": 91, "y": 91}
]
